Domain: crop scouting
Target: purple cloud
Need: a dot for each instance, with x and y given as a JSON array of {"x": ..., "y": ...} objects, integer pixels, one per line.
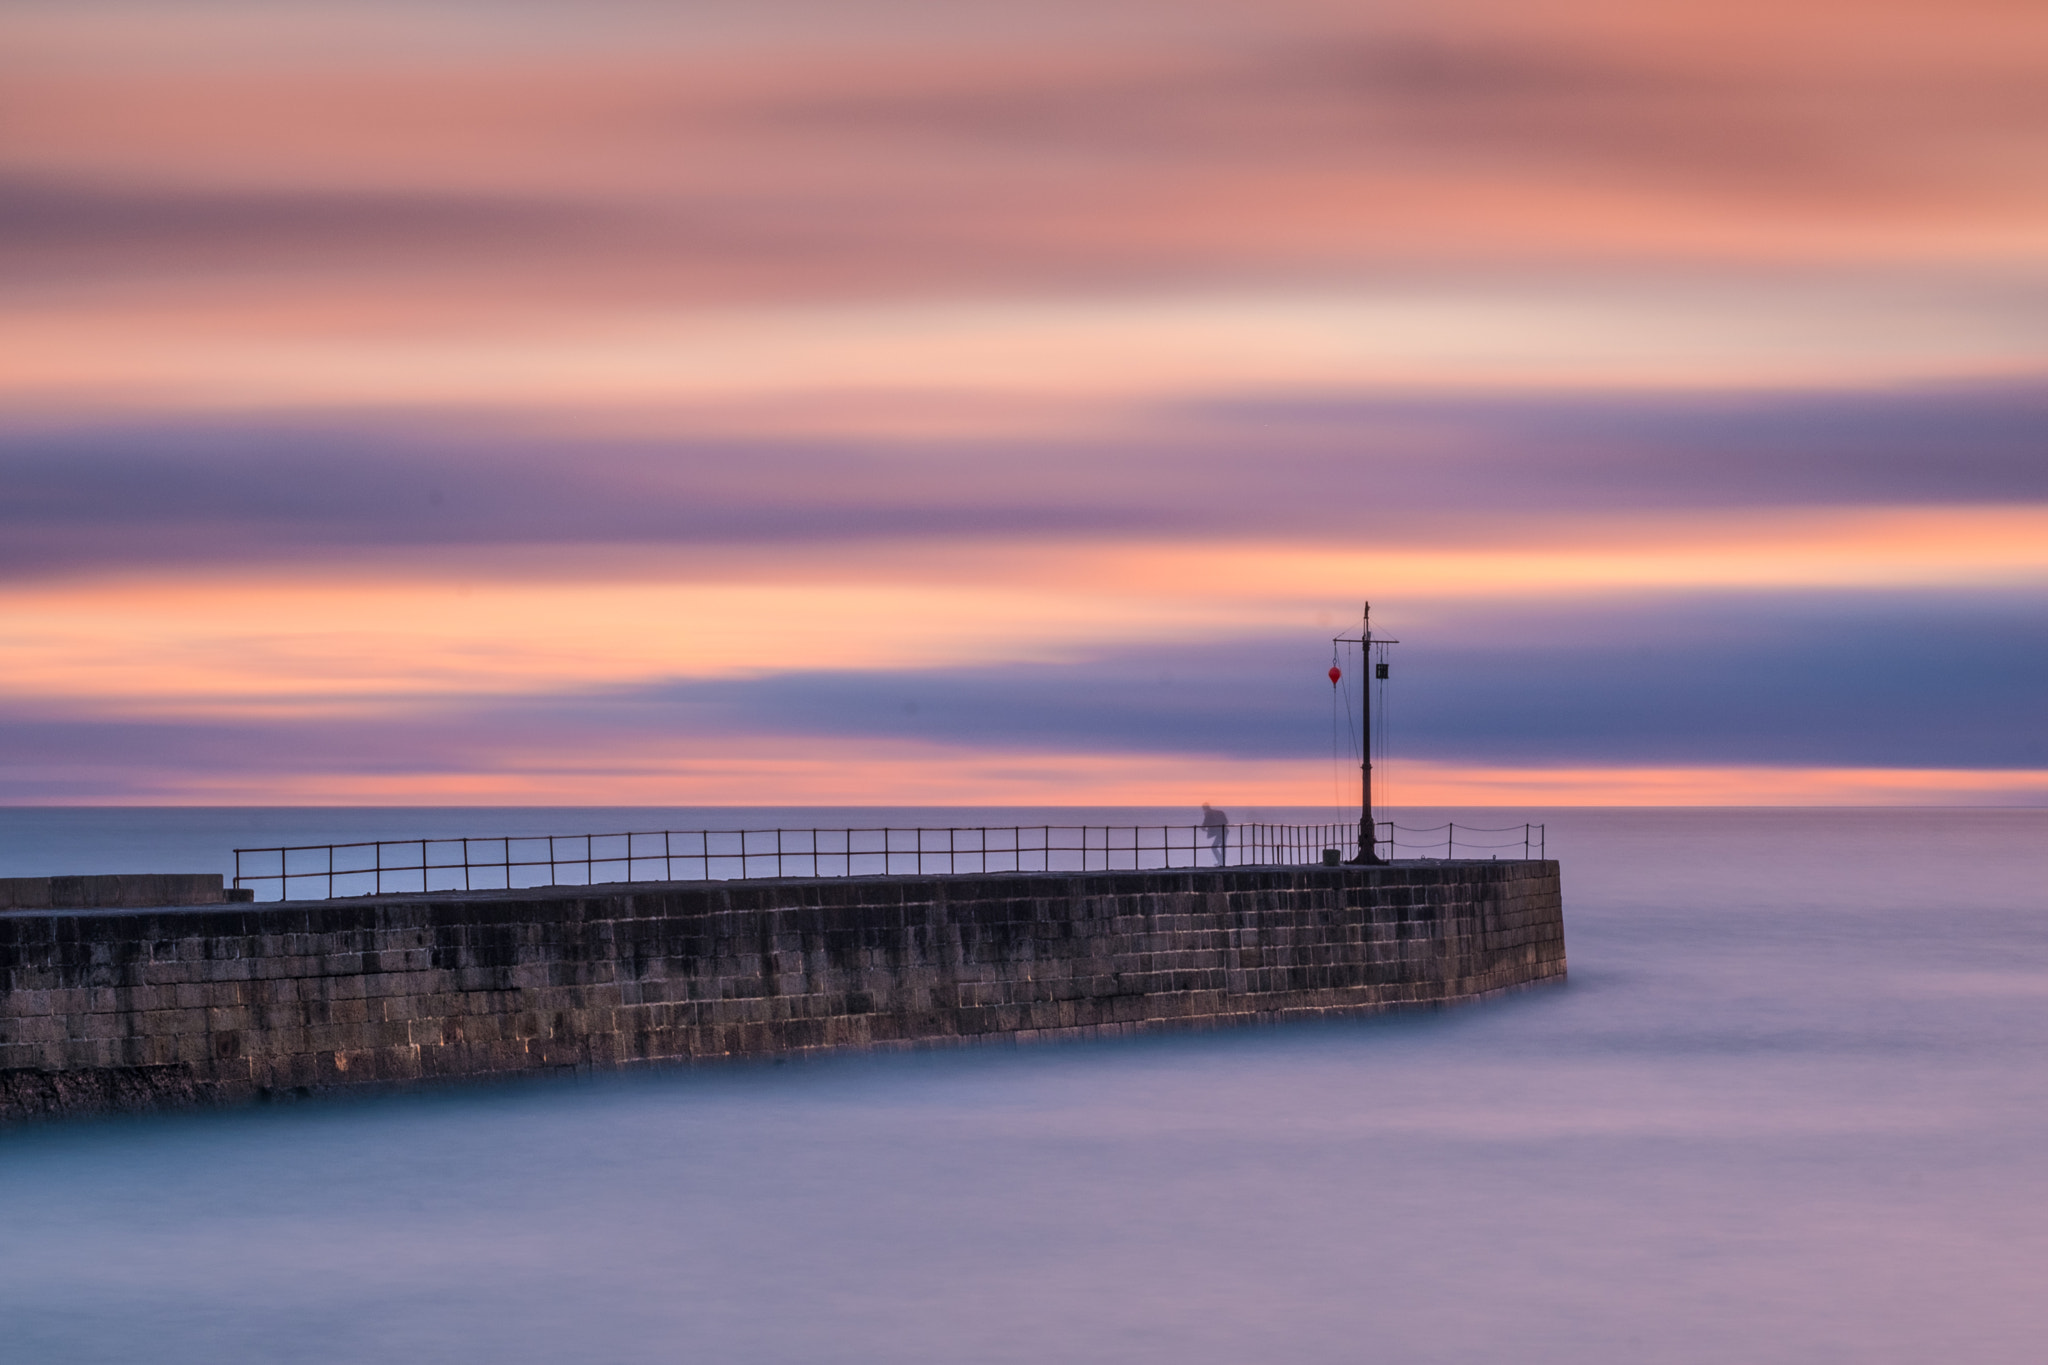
[{"x": 195, "y": 492}]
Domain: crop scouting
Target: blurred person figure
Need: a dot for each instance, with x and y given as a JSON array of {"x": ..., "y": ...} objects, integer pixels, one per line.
[{"x": 1216, "y": 825}]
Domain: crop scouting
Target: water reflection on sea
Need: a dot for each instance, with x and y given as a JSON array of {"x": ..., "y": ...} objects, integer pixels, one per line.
[{"x": 1790, "y": 1108}]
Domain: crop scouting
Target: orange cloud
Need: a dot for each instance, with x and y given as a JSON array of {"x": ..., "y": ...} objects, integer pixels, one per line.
[
  {"x": 1132, "y": 348},
  {"x": 1415, "y": 783},
  {"x": 826, "y": 771}
]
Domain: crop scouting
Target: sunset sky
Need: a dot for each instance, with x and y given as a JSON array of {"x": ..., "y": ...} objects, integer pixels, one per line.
[{"x": 903, "y": 402}]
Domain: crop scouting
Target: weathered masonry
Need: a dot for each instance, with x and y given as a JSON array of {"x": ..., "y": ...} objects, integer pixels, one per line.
[
  {"x": 117, "y": 891},
  {"x": 112, "y": 1009}
]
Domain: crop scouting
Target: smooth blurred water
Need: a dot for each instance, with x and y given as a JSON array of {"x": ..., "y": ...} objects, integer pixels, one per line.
[{"x": 1792, "y": 1106}]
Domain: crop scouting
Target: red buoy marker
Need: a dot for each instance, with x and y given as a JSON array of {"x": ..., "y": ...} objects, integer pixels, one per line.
[{"x": 1335, "y": 673}]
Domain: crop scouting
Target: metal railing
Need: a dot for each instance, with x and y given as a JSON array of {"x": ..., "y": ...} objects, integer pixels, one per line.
[
  {"x": 510, "y": 862},
  {"x": 1529, "y": 838}
]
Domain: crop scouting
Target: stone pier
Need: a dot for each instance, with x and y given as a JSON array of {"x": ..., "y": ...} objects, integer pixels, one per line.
[{"x": 123, "y": 1008}]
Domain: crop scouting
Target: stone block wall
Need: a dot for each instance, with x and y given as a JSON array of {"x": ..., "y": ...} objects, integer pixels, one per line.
[
  {"x": 109, "y": 1010},
  {"x": 117, "y": 891}
]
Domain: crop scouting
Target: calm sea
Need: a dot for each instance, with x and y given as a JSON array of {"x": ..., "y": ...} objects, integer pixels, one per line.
[{"x": 1792, "y": 1107}]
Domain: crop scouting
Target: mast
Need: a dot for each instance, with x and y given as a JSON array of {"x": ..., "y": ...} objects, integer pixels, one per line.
[
  {"x": 1368, "y": 842},
  {"x": 1368, "y": 853}
]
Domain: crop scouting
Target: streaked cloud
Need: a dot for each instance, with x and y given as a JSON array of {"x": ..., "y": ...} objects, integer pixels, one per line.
[
  {"x": 1954, "y": 471},
  {"x": 1754, "y": 681},
  {"x": 1134, "y": 348},
  {"x": 414, "y": 402}
]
